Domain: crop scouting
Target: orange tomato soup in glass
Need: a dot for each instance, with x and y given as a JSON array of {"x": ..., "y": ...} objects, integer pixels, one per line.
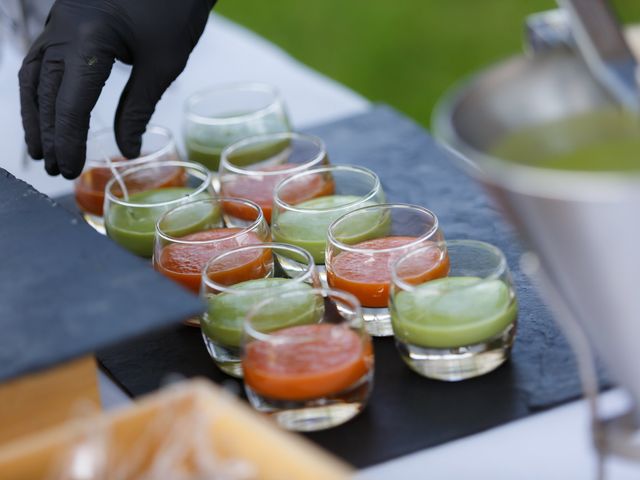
[
  {"x": 259, "y": 189},
  {"x": 367, "y": 275},
  {"x": 311, "y": 361},
  {"x": 89, "y": 187},
  {"x": 183, "y": 262}
]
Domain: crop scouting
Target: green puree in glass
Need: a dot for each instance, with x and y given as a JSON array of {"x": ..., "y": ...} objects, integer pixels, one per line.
[
  {"x": 134, "y": 227},
  {"x": 207, "y": 155},
  {"x": 598, "y": 141},
  {"x": 207, "y": 151},
  {"x": 453, "y": 312},
  {"x": 308, "y": 229},
  {"x": 222, "y": 322}
]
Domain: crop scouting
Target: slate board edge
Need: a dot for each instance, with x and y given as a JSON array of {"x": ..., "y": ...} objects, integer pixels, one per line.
[{"x": 42, "y": 365}]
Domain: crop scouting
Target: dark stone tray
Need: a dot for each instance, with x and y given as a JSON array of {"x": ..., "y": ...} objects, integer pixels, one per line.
[
  {"x": 407, "y": 412},
  {"x": 66, "y": 291}
]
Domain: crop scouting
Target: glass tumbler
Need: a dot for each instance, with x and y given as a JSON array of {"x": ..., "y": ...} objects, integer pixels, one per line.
[
  {"x": 460, "y": 326},
  {"x": 134, "y": 200},
  {"x": 157, "y": 145},
  {"x": 314, "y": 374},
  {"x": 363, "y": 244},
  {"x": 304, "y": 222},
  {"x": 221, "y": 115},
  {"x": 251, "y": 168},
  {"x": 191, "y": 234}
]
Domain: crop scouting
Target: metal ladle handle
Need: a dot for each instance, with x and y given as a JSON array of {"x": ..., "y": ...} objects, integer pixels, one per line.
[{"x": 599, "y": 39}]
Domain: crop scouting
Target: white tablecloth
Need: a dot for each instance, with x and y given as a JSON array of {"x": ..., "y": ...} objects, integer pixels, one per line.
[{"x": 553, "y": 445}]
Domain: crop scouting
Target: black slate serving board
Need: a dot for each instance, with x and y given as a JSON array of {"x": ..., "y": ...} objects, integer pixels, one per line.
[
  {"x": 65, "y": 290},
  {"x": 407, "y": 412}
]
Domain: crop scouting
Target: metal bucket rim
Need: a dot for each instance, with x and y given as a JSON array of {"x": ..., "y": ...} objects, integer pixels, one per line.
[{"x": 544, "y": 182}]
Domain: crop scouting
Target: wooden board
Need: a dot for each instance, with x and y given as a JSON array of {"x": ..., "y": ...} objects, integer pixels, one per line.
[
  {"x": 44, "y": 399},
  {"x": 234, "y": 430}
]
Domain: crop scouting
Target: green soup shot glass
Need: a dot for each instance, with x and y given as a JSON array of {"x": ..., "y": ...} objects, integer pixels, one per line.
[
  {"x": 460, "y": 326},
  {"x": 219, "y": 116},
  {"x": 130, "y": 218},
  {"x": 235, "y": 281},
  {"x": 306, "y": 223}
]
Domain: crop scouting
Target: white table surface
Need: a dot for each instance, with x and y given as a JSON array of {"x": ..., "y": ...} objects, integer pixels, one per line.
[
  {"x": 552, "y": 445},
  {"x": 555, "y": 444}
]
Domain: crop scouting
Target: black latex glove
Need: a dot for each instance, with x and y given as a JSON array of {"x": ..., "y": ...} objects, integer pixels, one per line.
[{"x": 64, "y": 72}]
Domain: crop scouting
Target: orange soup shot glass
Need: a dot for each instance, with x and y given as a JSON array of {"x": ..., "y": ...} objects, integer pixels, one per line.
[
  {"x": 189, "y": 235},
  {"x": 235, "y": 281},
  {"x": 362, "y": 246},
  {"x": 315, "y": 374},
  {"x": 252, "y": 167},
  {"x": 157, "y": 145}
]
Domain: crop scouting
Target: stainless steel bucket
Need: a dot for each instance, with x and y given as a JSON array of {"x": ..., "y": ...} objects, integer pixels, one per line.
[{"x": 585, "y": 227}]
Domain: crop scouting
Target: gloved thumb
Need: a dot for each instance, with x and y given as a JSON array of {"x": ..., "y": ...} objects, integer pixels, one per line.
[{"x": 143, "y": 91}]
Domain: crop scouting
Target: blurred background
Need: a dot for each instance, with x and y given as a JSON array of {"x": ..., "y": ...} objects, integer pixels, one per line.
[{"x": 401, "y": 52}]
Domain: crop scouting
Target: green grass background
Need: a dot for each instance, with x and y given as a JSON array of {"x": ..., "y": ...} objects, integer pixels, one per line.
[{"x": 402, "y": 52}]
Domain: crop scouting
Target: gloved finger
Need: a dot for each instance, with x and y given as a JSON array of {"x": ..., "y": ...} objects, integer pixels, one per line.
[
  {"x": 143, "y": 91},
  {"x": 28, "y": 77},
  {"x": 82, "y": 82},
  {"x": 50, "y": 78}
]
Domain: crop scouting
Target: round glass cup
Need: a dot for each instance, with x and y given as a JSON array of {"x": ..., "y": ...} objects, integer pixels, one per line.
[
  {"x": 130, "y": 220},
  {"x": 191, "y": 234},
  {"x": 314, "y": 373},
  {"x": 222, "y": 115},
  {"x": 305, "y": 223},
  {"x": 364, "y": 243},
  {"x": 157, "y": 145},
  {"x": 460, "y": 326},
  {"x": 251, "y": 168},
  {"x": 235, "y": 281}
]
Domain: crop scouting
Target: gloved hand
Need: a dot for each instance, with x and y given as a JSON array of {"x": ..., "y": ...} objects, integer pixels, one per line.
[{"x": 64, "y": 72}]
